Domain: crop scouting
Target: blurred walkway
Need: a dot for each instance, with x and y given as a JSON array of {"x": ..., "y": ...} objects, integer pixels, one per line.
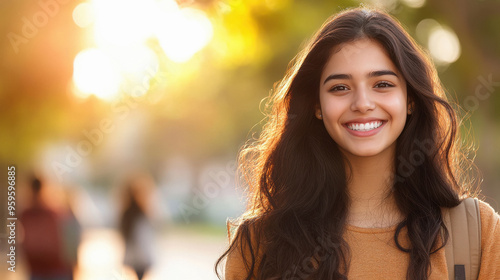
[
  {"x": 189, "y": 255},
  {"x": 183, "y": 254}
]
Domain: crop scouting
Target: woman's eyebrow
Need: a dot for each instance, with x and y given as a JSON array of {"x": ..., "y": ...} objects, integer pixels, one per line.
[
  {"x": 338, "y": 76},
  {"x": 381, "y": 73},
  {"x": 370, "y": 75}
]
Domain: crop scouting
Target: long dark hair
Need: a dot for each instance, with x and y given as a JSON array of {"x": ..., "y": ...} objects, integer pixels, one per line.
[{"x": 296, "y": 175}]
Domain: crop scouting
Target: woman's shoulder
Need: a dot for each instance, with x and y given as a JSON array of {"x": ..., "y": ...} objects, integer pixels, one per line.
[
  {"x": 490, "y": 219},
  {"x": 490, "y": 242}
]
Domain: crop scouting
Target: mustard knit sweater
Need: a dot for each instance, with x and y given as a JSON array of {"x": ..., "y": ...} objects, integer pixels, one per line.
[{"x": 374, "y": 254}]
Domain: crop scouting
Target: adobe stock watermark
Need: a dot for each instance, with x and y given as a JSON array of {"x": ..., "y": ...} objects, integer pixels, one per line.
[
  {"x": 425, "y": 147},
  {"x": 417, "y": 157},
  {"x": 220, "y": 179},
  {"x": 308, "y": 266},
  {"x": 31, "y": 25},
  {"x": 482, "y": 92},
  {"x": 95, "y": 137}
]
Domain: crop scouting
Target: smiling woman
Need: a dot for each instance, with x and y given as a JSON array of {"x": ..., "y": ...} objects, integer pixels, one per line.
[
  {"x": 364, "y": 110},
  {"x": 331, "y": 196}
]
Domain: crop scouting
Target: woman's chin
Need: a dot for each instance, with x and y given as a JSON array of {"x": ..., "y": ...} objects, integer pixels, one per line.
[{"x": 363, "y": 152}]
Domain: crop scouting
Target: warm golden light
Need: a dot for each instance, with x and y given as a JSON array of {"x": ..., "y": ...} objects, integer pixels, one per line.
[
  {"x": 120, "y": 61},
  {"x": 444, "y": 45},
  {"x": 138, "y": 65},
  {"x": 414, "y": 3},
  {"x": 83, "y": 14},
  {"x": 123, "y": 22},
  {"x": 104, "y": 73},
  {"x": 94, "y": 73},
  {"x": 101, "y": 255},
  {"x": 183, "y": 33},
  {"x": 424, "y": 28}
]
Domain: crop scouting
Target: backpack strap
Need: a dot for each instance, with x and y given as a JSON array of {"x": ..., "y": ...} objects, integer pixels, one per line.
[{"x": 463, "y": 249}]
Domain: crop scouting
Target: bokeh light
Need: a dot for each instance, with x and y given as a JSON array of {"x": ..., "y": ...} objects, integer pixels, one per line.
[
  {"x": 121, "y": 30},
  {"x": 123, "y": 22},
  {"x": 101, "y": 254},
  {"x": 138, "y": 65},
  {"x": 424, "y": 28},
  {"x": 83, "y": 14},
  {"x": 95, "y": 73},
  {"x": 184, "y": 33},
  {"x": 444, "y": 46},
  {"x": 414, "y": 3}
]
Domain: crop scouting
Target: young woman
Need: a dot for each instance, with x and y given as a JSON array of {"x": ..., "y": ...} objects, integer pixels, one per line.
[{"x": 355, "y": 164}]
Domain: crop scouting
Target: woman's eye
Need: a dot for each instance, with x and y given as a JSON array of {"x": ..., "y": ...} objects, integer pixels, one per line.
[
  {"x": 384, "y": 85},
  {"x": 339, "y": 88}
]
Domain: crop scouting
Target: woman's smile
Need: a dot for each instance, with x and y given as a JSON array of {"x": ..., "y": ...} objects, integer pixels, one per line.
[{"x": 364, "y": 127}]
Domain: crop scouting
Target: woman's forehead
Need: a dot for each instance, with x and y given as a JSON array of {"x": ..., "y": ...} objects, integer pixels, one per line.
[{"x": 358, "y": 56}]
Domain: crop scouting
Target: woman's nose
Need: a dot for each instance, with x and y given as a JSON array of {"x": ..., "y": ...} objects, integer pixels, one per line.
[{"x": 362, "y": 101}]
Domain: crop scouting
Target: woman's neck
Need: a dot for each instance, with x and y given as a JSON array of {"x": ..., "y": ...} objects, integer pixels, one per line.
[{"x": 370, "y": 191}]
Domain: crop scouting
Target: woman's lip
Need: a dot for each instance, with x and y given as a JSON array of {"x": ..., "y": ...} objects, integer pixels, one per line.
[{"x": 364, "y": 133}]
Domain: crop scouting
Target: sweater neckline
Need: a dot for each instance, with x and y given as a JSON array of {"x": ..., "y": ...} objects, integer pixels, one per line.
[{"x": 354, "y": 228}]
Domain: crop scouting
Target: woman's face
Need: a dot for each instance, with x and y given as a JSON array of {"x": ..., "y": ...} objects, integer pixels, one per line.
[{"x": 363, "y": 100}]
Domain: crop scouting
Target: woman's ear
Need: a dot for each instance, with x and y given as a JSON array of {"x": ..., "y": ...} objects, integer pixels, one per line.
[
  {"x": 318, "y": 113},
  {"x": 410, "y": 107}
]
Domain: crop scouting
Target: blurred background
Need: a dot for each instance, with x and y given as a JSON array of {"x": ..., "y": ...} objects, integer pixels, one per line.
[{"x": 123, "y": 119}]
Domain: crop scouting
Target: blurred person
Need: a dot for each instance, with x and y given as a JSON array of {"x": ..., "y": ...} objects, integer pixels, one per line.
[
  {"x": 358, "y": 167},
  {"x": 136, "y": 226},
  {"x": 71, "y": 230},
  {"x": 43, "y": 241}
]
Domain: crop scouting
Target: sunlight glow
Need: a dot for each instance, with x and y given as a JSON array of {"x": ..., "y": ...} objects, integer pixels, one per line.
[
  {"x": 104, "y": 73},
  {"x": 138, "y": 65},
  {"x": 424, "y": 28},
  {"x": 83, "y": 14},
  {"x": 444, "y": 45},
  {"x": 123, "y": 22},
  {"x": 94, "y": 73},
  {"x": 100, "y": 256},
  {"x": 414, "y": 3},
  {"x": 98, "y": 251},
  {"x": 184, "y": 33},
  {"x": 121, "y": 61}
]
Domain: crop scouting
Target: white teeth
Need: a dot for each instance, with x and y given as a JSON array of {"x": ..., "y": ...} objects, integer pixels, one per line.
[{"x": 365, "y": 126}]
